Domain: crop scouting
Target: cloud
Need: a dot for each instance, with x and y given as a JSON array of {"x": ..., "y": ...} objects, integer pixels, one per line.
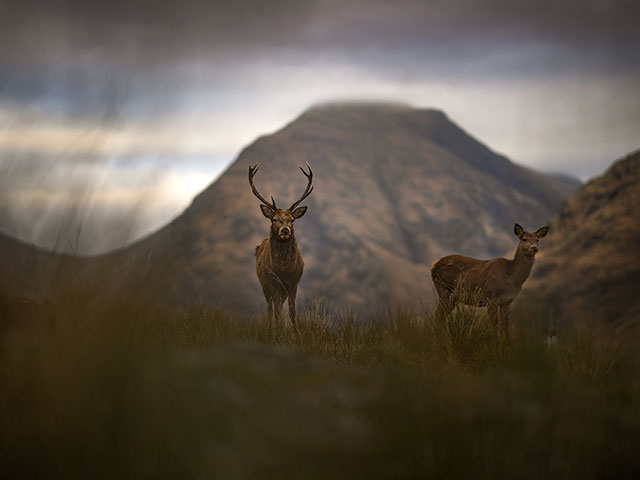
[
  {"x": 91, "y": 208},
  {"x": 77, "y": 56},
  {"x": 94, "y": 93},
  {"x": 212, "y": 136},
  {"x": 131, "y": 33}
]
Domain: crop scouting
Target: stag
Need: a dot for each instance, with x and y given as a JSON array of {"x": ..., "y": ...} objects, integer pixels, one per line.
[
  {"x": 279, "y": 262},
  {"x": 491, "y": 283}
]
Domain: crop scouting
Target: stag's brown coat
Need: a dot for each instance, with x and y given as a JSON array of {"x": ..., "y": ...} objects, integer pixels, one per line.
[
  {"x": 491, "y": 283},
  {"x": 279, "y": 263}
]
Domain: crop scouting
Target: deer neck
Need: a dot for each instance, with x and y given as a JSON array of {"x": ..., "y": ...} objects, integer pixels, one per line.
[
  {"x": 521, "y": 266},
  {"x": 283, "y": 252}
]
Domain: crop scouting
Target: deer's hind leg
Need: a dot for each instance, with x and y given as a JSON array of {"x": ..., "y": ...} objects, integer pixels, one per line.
[
  {"x": 499, "y": 314},
  {"x": 504, "y": 319},
  {"x": 446, "y": 301},
  {"x": 494, "y": 315}
]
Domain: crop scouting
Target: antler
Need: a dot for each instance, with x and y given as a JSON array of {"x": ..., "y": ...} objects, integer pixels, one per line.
[
  {"x": 308, "y": 190},
  {"x": 252, "y": 172}
]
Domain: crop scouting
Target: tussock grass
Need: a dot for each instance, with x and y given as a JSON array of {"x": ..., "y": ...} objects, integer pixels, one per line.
[{"x": 123, "y": 389}]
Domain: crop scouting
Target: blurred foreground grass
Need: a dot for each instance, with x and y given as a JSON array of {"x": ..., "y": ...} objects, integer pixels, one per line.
[{"x": 124, "y": 389}]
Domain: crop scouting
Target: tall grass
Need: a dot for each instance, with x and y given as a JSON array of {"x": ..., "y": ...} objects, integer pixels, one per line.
[{"x": 123, "y": 389}]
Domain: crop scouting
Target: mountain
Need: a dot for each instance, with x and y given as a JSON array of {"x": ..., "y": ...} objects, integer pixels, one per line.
[
  {"x": 589, "y": 266},
  {"x": 395, "y": 188}
]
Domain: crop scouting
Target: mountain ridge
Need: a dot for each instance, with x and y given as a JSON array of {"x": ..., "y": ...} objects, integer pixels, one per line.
[{"x": 590, "y": 266}]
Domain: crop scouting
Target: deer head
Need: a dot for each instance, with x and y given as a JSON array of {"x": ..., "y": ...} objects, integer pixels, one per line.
[
  {"x": 529, "y": 241},
  {"x": 282, "y": 220}
]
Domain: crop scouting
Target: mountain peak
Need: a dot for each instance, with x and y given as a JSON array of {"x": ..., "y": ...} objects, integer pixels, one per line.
[
  {"x": 351, "y": 105},
  {"x": 336, "y": 109}
]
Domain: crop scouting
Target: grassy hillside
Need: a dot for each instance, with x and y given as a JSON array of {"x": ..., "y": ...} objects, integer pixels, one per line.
[{"x": 123, "y": 389}]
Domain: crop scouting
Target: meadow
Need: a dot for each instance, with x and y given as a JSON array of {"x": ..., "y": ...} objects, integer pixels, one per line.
[{"x": 97, "y": 388}]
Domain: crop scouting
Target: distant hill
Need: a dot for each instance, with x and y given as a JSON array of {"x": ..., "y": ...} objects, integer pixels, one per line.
[
  {"x": 589, "y": 265},
  {"x": 395, "y": 188}
]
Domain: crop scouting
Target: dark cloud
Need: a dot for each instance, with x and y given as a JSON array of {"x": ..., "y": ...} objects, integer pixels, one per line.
[
  {"x": 144, "y": 32},
  {"x": 67, "y": 52}
]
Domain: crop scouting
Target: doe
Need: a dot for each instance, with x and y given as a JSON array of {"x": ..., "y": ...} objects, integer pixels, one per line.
[{"x": 491, "y": 283}]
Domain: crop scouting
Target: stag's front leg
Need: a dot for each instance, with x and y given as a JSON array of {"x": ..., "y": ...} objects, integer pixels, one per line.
[
  {"x": 278, "y": 301},
  {"x": 292, "y": 308},
  {"x": 270, "y": 297}
]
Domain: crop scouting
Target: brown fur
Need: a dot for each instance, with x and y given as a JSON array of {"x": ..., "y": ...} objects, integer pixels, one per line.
[
  {"x": 279, "y": 263},
  {"x": 279, "y": 266},
  {"x": 491, "y": 283}
]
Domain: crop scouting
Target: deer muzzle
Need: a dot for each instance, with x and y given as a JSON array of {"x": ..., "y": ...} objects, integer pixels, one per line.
[{"x": 284, "y": 233}]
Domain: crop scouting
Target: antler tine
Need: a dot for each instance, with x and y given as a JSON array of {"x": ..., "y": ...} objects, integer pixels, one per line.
[
  {"x": 308, "y": 189},
  {"x": 252, "y": 172}
]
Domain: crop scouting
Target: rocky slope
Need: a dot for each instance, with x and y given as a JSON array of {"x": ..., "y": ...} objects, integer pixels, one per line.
[{"x": 589, "y": 267}]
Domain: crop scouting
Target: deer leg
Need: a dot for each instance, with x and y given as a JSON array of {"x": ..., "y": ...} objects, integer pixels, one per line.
[
  {"x": 292, "y": 312},
  {"x": 504, "y": 320},
  {"x": 493, "y": 310},
  {"x": 442, "y": 310},
  {"x": 446, "y": 302},
  {"x": 269, "y": 296},
  {"x": 292, "y": 292},
  {"x": 278, "y": 300}
]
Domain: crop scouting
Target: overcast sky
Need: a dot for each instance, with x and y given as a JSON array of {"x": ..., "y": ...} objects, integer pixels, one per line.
[{"x": 112, "y": 107}]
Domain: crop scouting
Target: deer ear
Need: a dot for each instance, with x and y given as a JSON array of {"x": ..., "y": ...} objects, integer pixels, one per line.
[
  {"x": 518, "y": 230},
  {"x": 541, "y": 232},
  {"x": 267, "y": 211},
  {"x": 298, "y": 212}
]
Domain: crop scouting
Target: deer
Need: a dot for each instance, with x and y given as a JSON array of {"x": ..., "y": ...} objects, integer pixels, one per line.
[
  {"x": 279, "y": 263},
  {"x": 486, "y": 283}
]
